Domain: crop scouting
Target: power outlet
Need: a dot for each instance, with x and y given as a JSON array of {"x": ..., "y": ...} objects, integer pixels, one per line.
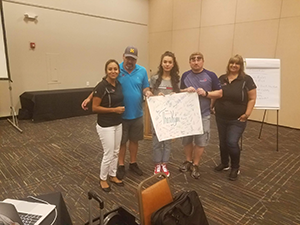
[{"x": 87, "y": 83}]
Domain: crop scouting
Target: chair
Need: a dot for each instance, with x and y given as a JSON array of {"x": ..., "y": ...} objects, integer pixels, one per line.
[{"x": 153, "y": 197}]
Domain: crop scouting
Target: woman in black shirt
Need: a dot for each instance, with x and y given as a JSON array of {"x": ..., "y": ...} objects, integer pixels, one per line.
[
  {"x": 232, "y": 112},
  {"x": 108, "y": 103}
]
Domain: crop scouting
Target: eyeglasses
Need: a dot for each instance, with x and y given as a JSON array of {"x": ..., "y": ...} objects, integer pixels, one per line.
[{"x": 196, "y": 58}]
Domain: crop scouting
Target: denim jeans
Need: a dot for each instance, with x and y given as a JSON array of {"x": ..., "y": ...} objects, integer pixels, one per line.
[
  {"x": 230, "y": 132},
  {"x": 161, "y": 150}
]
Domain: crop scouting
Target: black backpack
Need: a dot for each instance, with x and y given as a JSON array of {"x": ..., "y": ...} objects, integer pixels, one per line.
[{"x": 186, "y": 209}]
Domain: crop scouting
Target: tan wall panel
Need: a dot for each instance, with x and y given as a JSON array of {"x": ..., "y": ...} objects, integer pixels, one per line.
[
  {"x": 5, "y": 98},
  {"x": 162, "y": 15},
  {"x": 256, "y": 39},
  {"x": 290, "y": 8},
  {"x": 216, "y": 45},
  {"x": 270, "y": 117},
  {"x": 257, "y": 115},
  {"x": 185, "y": 42},
  {"x": 254, "y": 10},
  {"x": 288, "y": 51},
  {"x": 259, "y": 31},
  {"x": 224, "y": 12},
  {"x": 159, "y": 43},
  {"x": 186, "y": 14}
]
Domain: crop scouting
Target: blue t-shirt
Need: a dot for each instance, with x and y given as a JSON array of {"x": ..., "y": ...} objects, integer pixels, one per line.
[
  {"x": 206, "y": 80},
  {"x": 133, "y": 85}
]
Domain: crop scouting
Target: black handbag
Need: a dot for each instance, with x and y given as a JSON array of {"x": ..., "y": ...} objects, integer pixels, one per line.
[{"x": 186, "y": 209}]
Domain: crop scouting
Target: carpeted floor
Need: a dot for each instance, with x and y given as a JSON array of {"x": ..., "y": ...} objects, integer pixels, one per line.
[{"x": 64, "y": 155}]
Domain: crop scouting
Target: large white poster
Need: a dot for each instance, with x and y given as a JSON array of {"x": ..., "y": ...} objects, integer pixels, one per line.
[
  {"x": 175, "y": 115},
  {"x": 266, "y": 75}
]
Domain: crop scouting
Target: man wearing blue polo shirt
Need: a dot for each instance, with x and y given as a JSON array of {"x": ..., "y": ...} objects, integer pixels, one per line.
[
  {"x": 135, "y": 84},
  {"x": 134, "y": 81},
  {"x": 207, "y": 86}
]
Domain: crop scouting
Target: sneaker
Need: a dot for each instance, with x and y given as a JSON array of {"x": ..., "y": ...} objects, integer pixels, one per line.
[
  {"x": 195, "y": 172},
  {"x": 186, "y": 166},
  {"x": 165, "y": 170},
  {"x": 135, "y": 168},
  {"x": 121, "y": 172},
  {"x": 221, "y": 167},
  {"x": 234, "y": 173},
  {"x": 157, "y": 169}
]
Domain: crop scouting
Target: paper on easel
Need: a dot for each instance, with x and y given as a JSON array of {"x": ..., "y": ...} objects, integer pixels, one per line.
[{"x": 266, "y": 75}]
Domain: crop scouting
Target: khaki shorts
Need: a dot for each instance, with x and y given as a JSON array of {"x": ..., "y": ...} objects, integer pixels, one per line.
[
  {"x": 133, "y": 130},
  {"x": 200, "y": 140}
]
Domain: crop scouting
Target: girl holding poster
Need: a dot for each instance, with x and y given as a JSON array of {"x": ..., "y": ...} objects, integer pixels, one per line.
[{"x": 166, "y": 81}]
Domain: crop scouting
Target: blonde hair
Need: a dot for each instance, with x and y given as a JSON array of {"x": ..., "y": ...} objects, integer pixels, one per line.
[{"x": 238, "y": 59}]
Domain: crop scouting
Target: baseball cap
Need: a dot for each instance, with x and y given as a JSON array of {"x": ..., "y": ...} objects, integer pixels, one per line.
[{"x": 131, "y": 52}]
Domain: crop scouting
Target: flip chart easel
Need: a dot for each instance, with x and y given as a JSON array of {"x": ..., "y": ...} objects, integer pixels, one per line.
[
  {"x": 4, "y": 69},
  {"x": 266, "y": 75}
]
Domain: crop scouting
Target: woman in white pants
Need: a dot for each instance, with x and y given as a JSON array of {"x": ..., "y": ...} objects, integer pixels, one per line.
[{"x": 108, "y": 103}]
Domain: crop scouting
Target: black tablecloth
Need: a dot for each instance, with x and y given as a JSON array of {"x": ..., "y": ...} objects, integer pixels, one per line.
[
  {"x": 55, "y": 198},
  {"x": 54, "y": 104}
]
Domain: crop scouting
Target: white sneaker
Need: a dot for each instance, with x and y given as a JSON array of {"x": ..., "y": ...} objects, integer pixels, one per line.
[
  {"x": 165, "y": 170},
  {"x": 157, "y": 169}
]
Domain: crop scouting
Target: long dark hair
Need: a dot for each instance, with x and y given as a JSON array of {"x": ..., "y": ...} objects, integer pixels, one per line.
[{"x": 174, "y": 73}]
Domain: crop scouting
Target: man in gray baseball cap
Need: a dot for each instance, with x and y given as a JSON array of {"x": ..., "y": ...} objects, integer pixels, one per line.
[
  {"x": 131, "y": 52},
  {"x": 133, "y": 91}
]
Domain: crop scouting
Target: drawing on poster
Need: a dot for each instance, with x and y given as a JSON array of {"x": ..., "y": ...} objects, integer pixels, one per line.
[{"x": 175, "y": 115}]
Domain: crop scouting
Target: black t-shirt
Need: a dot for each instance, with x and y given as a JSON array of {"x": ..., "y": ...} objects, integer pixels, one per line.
[
  {"x": 234, "y": 101},
  {"x": 111, "y": 97}
]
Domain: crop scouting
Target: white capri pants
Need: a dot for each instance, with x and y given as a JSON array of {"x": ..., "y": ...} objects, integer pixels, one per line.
[{"x": 110, "y": 138}]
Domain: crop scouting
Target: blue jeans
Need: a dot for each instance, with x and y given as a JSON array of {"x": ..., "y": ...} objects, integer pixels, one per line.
[
  {"x": 161, "y": 150},
  {"x": 230, "y": 132}
]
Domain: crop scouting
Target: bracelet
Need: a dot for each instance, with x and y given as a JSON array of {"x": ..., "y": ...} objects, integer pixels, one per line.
[
  {"x": 246, "y": 115},
  {"x": 206, "y": 93}
]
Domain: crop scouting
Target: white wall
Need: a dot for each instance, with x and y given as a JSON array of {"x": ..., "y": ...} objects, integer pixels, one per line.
[{"x": 73, "y": 38}]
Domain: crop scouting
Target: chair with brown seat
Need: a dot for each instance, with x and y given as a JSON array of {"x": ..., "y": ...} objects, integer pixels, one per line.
[{"x": 153, "y": 197}]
